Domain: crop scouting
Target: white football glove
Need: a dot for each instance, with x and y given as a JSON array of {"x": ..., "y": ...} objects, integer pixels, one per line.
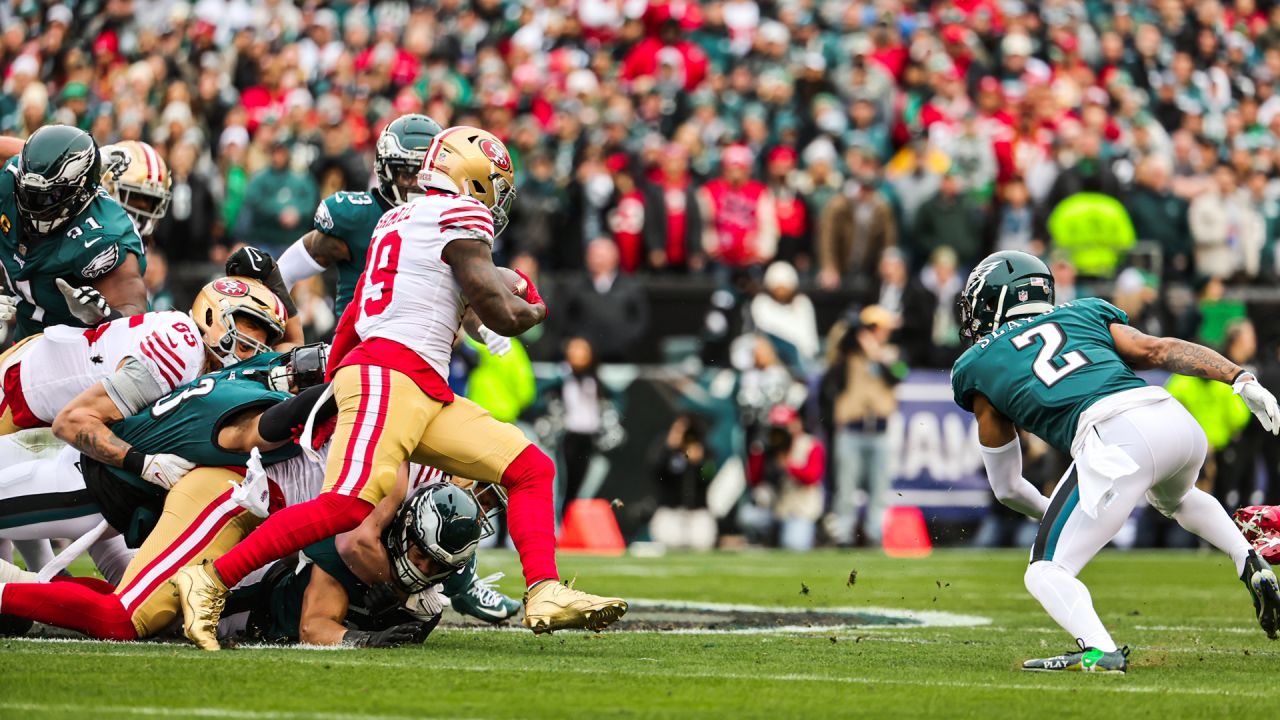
[
  {"x": 1260, "y": 402},
  {"x": 8, "y": 307},
  {"x": 85, "y": 303},
  {"x": 496, "y": 344},
  {"x": 253, "y": 493},
  {"x": 427, "y": 604},
  {"x": 164, "y": 469},
  {"x": 8, "y": 311}
]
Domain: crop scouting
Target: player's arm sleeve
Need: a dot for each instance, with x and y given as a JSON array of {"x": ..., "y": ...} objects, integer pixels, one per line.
[
  {"x": 465, "y": 221},
  {"x": 1004, "y": 472},
  {"x": 133, "y": 387},
  {"x": 297, "y": 264}
]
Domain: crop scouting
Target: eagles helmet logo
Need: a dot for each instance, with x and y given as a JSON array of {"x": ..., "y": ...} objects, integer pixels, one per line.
[
  {"x": 494, "y": 152},
  {"x": 231, "y": 287},
  {"x": 101, "y": 264}
]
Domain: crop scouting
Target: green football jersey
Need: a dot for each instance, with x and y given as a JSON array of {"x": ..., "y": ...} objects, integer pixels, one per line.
[
  {"x": 350, "y": 217},
  {"x": 1043, "y": 372},
  {"x": 285, "y": 602},
  {"x": 186, "y": 421},
  {"x": 93, "y": 244}
]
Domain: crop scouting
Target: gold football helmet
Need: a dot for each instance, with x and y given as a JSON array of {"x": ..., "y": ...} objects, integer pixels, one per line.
[
  {"x": 470, "y": 161},
  {"x": 136, "y": 176},
  {"x": 219, "y": 304}
]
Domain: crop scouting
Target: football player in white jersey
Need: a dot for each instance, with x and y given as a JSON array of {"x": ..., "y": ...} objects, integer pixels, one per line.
[{"x": 429, "y": 260}]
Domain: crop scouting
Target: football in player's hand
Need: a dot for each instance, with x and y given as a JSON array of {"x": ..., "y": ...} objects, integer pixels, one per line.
[{"x": 514, "y": 282}]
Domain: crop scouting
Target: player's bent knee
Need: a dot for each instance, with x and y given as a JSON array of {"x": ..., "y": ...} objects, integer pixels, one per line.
[
  {"x": 344, "y": 511},
  {"x": 1040, "y": 571},
  {"x": 531, "y": 467}
]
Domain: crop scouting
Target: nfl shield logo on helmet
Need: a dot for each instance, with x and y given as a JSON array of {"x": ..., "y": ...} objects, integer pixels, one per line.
[
  {"x": 232, "y": 287},
  {"x": 1022, "y": 296}
]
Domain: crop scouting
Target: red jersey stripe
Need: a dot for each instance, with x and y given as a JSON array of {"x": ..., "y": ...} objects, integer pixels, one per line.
[
  {"x": 168, "y": 348},
  {"x": 146, "y": 350}
]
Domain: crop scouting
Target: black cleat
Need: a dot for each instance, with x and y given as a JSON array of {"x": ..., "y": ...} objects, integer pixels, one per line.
[{"x": 1265, "y": 590}]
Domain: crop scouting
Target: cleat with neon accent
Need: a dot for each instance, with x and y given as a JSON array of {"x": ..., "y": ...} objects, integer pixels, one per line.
[
  {"x": 1263, "y": 587},
  {"x": 484, "y": 602},
  {"x": 202, "y": 596},
  {"x": 1086, "y": 659},
  {"x": 551, "y": 606}
]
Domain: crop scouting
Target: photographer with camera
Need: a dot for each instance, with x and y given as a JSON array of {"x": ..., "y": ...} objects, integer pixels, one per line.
[
  {"x": 785, "y": 467},
  {"x": 859, "y": 391}
]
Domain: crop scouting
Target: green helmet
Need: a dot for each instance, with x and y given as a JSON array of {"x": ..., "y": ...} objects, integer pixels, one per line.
[
  {"x": 58, "y": 173},
  {"x": 1005, "y": 285},
  {"x": 445, "y": 523},
  {"x": 401, "y": 148}
]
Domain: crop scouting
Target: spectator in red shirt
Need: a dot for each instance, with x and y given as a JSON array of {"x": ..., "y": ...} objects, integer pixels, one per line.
[
  {"x": 644, "y": 59},
  {"x": 624, "y": 216},
  {"x": 673, "y": 218},
  {"x": 740, "y": 224},
  {"x": 795, "y": 241}
]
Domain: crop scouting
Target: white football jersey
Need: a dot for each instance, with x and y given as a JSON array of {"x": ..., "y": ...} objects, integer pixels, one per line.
[
  {"x": 409, "y": 294},
  {"x": 65, "y": 360}
]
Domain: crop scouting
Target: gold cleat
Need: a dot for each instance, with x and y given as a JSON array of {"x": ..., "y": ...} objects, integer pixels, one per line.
[
  {"x": 551, "y": 606},
  {"x": 202, "y": 596}
]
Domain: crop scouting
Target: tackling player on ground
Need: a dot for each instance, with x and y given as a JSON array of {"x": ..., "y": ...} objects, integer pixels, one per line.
[
  {"x": 1066, "y": 374},
  {"x": 429, "y": 259}
]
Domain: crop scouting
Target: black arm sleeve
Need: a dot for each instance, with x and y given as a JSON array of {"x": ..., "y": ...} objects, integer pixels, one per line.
[{"x": 282, "y": 421}]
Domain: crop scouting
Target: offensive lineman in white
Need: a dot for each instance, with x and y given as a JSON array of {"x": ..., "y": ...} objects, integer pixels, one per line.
[{"x": 429, "y": 259}]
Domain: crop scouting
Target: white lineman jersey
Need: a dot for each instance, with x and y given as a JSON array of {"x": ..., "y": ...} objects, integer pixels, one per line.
[
  {"x": 408, "y": 293},
  {"x": 65, "y": 360}
]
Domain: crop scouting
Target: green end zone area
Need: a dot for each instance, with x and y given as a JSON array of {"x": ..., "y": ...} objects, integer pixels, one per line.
[{"x": 741, "y": 635}]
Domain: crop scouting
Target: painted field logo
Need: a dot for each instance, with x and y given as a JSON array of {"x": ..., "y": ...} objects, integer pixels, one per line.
[
  {"x": 700, "y": 618},
  {"x": 231, "y": 287}
]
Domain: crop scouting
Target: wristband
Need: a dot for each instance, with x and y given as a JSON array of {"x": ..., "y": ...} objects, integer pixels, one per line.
[
  {"x": 1242, "y": 372},
  {"x": 134, "y": 461}
]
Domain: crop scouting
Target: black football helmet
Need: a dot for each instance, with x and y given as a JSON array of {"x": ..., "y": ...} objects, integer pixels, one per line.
[{"x": 58, "y": 175}]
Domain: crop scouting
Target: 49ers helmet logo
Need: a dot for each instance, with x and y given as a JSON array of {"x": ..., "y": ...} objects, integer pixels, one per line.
[
  {"x": 232, "y": 287},
  {"x": 496, "y": 153}
]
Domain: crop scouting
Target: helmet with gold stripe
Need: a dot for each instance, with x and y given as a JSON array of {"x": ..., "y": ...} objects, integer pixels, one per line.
[
  {"x": 223, "y": 304},
  {"x": 470, "y": 161},
  {"x": 138, "y": 178}
]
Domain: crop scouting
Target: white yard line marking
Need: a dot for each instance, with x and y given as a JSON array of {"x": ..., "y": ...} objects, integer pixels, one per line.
[
  {"x": 93, "y": 710},
  {"x": 689, "y": 673}
]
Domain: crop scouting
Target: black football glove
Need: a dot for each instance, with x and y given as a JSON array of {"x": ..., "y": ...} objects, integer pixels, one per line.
[
  {"x": 382, "y": 599},
  {"x": 253, "y": 263},
  {"x": 406, "y": 634}
]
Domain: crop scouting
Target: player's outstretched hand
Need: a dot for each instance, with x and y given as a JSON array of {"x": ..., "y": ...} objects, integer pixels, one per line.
[
  {"x": 253, "y": 493},
  {"x": 497, "y": 345},
  {"x": 1260, "y": 402},
  {"x": 165, "y": 469},
  {"x": 406, "y": 634},
  {"x": 250, "y": 262},
  {"x": 84, "y": 302}
]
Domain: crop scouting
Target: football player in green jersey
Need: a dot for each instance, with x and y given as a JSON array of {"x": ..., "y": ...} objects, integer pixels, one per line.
[
  {"x": 433, "y": 536},
  {"x": 344, "y": 221},
  {"x": 57, "y": 223},
  {"x": 1066, "y": 374}
]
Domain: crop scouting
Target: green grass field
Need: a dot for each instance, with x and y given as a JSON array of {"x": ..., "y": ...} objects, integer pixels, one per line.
[{"x": 1196, "y": 652}]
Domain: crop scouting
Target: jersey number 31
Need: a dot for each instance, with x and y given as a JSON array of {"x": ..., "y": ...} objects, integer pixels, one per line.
[{"x": 1049, "y": 367}]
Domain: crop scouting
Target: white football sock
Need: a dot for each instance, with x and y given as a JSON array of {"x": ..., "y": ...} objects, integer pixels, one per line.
[
  {"x": 1201, "y": 514},
  {"x": 1068, "y": 602},
  {"x": 10, "y": 573}
]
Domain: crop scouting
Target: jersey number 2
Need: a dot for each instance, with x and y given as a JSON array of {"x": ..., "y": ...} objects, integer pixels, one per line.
[{"x": 1048, "y": 366}]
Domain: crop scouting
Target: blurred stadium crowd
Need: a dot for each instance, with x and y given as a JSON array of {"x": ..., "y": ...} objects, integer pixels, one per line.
[{"x": 853, "y": 156}]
